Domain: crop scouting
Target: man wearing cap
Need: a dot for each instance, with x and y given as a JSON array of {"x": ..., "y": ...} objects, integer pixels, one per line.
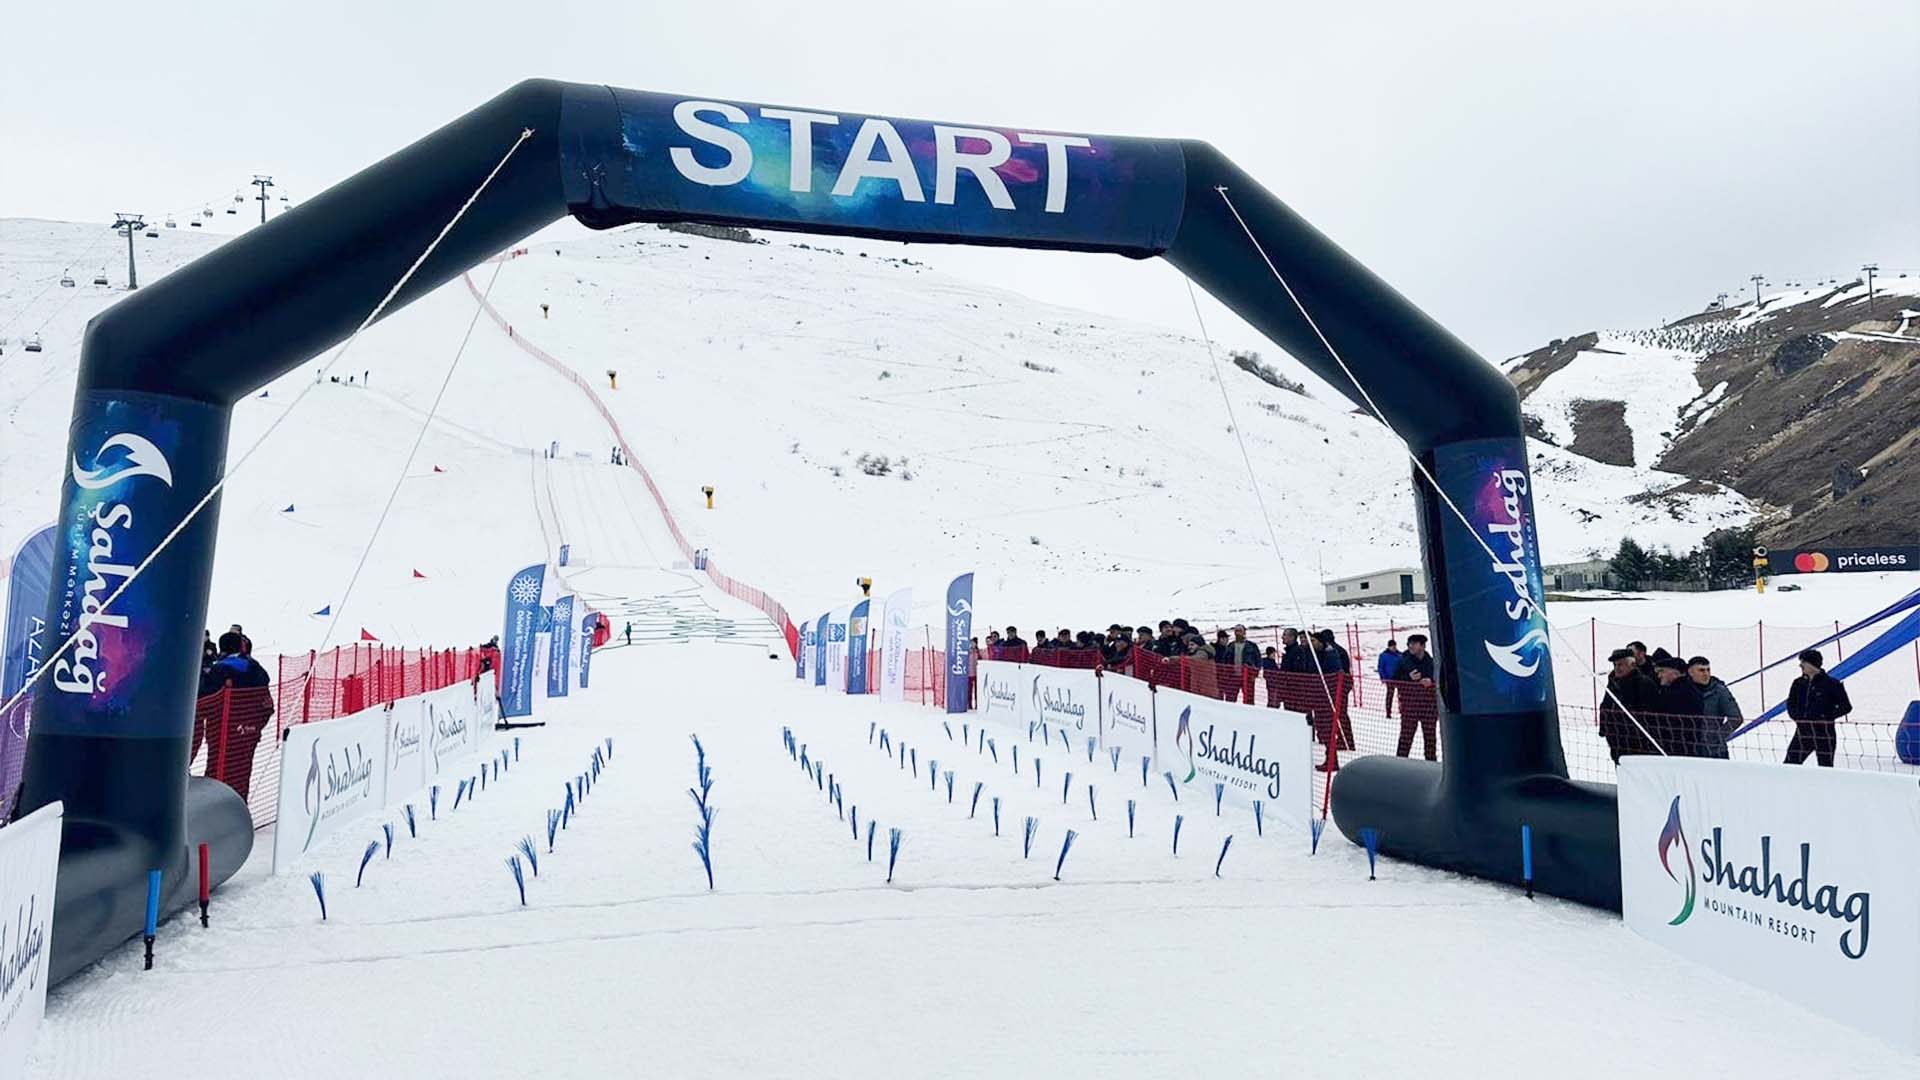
[
  {"x": 1678, "y": 713},
  {"x": 1630, "y": 692},
  {"x": 1815, "y": 701},
  {"x": 1243, "y": 657}
]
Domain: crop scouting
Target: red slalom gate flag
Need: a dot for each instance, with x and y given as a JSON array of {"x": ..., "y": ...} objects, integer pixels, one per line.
[
  {"x": 419, "y": 575},
  {"x": 364, "y": 636},
  {"x": 437, "y": 468}
]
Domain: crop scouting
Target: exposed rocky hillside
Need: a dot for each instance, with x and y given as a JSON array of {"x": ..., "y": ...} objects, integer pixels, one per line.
[{"x": 1808, "y": 402}]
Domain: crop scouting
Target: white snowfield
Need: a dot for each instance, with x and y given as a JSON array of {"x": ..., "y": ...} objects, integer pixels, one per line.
[{"x": 804, "y": 961}]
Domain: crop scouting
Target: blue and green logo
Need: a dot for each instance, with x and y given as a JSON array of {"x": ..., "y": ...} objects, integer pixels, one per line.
[{"x": 1673, "y": 836}]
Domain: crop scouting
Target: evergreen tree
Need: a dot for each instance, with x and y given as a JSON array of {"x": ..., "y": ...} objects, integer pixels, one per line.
[{"x": 1632, "y": 566}]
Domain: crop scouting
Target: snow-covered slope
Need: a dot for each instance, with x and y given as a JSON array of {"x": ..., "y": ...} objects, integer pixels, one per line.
[{"x": 1087, "y": 467}]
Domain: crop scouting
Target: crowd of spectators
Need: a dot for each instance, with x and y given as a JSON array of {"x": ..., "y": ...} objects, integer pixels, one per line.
[
  {"x": 1658, "y": 703},
  {"x": 1309, "y": 672}
]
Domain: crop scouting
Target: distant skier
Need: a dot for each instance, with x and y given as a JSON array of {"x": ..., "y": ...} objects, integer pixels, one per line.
[
  {"x": 629, "y": 634},
  {"x": 543, "y": 311}
]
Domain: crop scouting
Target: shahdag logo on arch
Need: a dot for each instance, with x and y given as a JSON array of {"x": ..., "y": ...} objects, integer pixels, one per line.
[{"x": 1493, "y": 575}]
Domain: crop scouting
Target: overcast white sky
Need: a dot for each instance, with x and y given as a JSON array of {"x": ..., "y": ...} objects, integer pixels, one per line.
[{"x": 1522, "y": 170}]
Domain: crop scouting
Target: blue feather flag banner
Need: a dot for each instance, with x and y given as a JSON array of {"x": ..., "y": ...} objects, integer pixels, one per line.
[
  {"x": 966, "y": 733},
  {"x": 459, "y": 793},
  {"x": 1016, "y": 760},
  {"x": 532, "y": 854},
  {"x": 1129, "y": 819},
  {"x": 948, "y": 776},
  {"x": 996, "y": 815},
  {"x": 1173, "y": 787},
  {"x": 320, "y": 891},
  {"x": 993, "y": 747},
  {"x": 1223, "y": 855},
  {"x": 1029, "y": 731},
  {"x": 1371, "y": 838},
  {"x": 516, "y": 747},
  {"x": 886, "y": 746},
  {"x": 373, "y": 848},
  {"x": 386, "y": 827},
  {"x": 1145, "y": 763},
  {"x": 1026, "y": 844},
  {"x": 483, "y": 776},
  {"x": 1315, "y": 826},
  {"x": 553, "y": 828},
  {"x": 903, "y": 755},
  {"x": 872, "y": 726},
  {"x": 433, "y": 803},
  {"x": 1092, "y": 744},
  {"x": 412, "y": 830},
  {"x": 978, "y": 787},
  {"x": 1219, "y": 793},
  {"x": 1065, "y": 846},
  {"x": 1178, "y": 820},
  {"x": 933, "y": 774},
  {"x": 1036, "y": 772},
  {"x": 703, "y": 844},
  {"x": 1066, "y": 786},
  {"x": 869, "y": 839},
  {"x": 914, "y": 757},
  {"x": 566, "y": 813},
  {"x": 949, "y": 727},
  {"x": 1115, "y": 754},
  {"x": 853, "y": 818},
  {"x": 519, "y": 877},
  {"x": 609, "y": 747},
  {"x": 1093, "y": 808},
  {"x": 1259, "y": 827},
  {"x": 893, "y": 852}
]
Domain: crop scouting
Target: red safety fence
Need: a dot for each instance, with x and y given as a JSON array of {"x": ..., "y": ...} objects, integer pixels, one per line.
[
  {"x": 238, "y": 728},
  {"x": 349, "y": 678},
  {"x": 732, "y": 587}
]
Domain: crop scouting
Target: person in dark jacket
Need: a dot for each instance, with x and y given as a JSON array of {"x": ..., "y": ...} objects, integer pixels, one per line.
[
  {"x": 1168, "y": 643},
  {"x": 1336, "y": 667},
  {"x": 1419, "y": 705},
  {"x": 241, "y": 719},
  {"x": 1722, "y": 712},
  {"x": 1384, "y": 667},
  {"x": 1296, "y": 656},
  {"x": 1630, "y": 692},
  {"x": 1815, "y": 701},
  {"x": 1679, "y": 716}
]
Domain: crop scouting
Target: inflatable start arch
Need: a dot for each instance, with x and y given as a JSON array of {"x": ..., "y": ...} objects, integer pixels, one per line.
[{"x": 161, "y": 370}]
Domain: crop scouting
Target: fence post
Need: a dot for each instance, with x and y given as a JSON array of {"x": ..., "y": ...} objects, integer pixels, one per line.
[
  {"x": 1678, "y": 650},
  {"x": 1839, "y": 645},
  {"x": 306, "y": 695},
  {"x": 1593, "y": 663},
  {"x": 1761, "y": 628},
  {"x": 217, "y": 763},
  {"x": 339, "y": 684}
]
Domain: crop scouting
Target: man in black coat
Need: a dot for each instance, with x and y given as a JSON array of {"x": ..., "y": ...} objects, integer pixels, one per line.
[
  {"x": 1419, "y": 710},
  {"x": 1678, "y": 710},
  {"x": 1630, "y": 692},
  {"x": 1815, "y": 701}
]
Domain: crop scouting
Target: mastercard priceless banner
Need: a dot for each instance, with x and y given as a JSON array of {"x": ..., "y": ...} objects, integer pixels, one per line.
[{"x": 1845, "y": 560}]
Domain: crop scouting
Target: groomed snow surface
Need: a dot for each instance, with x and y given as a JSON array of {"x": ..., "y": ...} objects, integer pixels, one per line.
[{"x": 805, "y": 962}]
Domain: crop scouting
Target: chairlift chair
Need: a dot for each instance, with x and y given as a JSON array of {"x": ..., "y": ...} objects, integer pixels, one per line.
[
  {"x": 100, "y": 278},
  {"x": 231, "y": 210},
  {"x": 195, "y": 223},
  {"x": 170, "y": 223},
  {"x": 153, "y": 234},
  {"x": 206, "y": 211},
  {"x": 66, "y": 279},
  {"x": 33, "y": 343}
]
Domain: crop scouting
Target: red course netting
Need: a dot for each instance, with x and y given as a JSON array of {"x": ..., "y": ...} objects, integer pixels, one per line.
[{"x": 349, "y": 678}]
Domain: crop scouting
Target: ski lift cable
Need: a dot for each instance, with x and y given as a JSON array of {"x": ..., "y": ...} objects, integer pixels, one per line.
[
  {"x": 247, "y": 455},
  {"x": 426, "y": 422},
  {"x": 77, "y": 260},
  {"x": 1418, "y": 465}
]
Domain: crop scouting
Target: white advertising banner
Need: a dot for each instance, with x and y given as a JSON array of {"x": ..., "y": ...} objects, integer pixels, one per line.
[
  {"x": 542, "y": 656},
  {"x": 454, "y": 718},
  {"x": 997, "y": 698},
  {"x": 332, "y": 772},
  {"x": 29, "y": 866},
  {"x": 1258, "y": 753},
  {"x": 406, "y": 757},
  {"x": 1126, "y": 717},
  {"x": 893, "y": 646},
  {"x": 1773, "y": 875},
  {"x": 837, "y": 649},
  {"x": 1064, "y": 700},
  {"x": 806, "y": 653}
]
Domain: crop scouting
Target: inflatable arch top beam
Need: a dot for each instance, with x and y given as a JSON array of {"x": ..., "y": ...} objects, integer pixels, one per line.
[{"x": 161, "y": 370}]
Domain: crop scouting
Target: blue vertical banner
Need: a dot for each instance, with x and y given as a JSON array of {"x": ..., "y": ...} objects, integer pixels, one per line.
[
  {"x": 560, "y": 662},
  {"x": 959, "y": 643},
  {"x": 517, "y": 641},
  {"x": 565, "y": 550},
  {"x": 820, "y": 648},
  {"x": 588, "y": 626},
  {"x": 857, "y": 648},
  {"x": 805, "y": 652},
  {"x": 25, "y": 635}
]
